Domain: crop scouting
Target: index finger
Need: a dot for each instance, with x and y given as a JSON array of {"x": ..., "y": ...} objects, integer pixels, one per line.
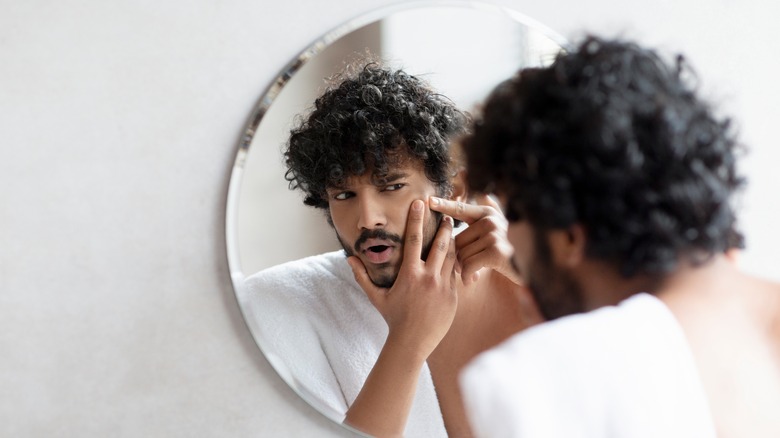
[
  {"x": 459, "y": 210},
  {"x": 484, "y": 199},
  {"x": 414, "y": 232}
]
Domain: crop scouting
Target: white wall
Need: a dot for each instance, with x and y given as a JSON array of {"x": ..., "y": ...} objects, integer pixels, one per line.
[{"x": 118, "y": 124}]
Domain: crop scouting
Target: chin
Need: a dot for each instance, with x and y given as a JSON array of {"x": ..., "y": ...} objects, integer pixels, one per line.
[
  {"x": 383, "y": 279},
  {"x": 383, "y": 282}
]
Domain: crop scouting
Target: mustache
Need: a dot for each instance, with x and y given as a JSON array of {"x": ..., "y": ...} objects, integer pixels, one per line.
[{"x": 376, "y": 234}]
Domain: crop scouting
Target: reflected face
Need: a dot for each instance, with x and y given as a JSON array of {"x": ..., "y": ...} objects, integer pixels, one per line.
[
  {"x": 555, "y": 289},
  {"x": 370, "y": 216}
]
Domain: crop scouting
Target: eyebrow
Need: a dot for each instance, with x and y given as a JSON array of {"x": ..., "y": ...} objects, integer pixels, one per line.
[
  {"x": 392, "y": 177},
  {"x": 376, "y": 181}
]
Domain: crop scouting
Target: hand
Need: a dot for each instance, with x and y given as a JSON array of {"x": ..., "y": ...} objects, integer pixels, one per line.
[
  {"x": 484, "y": 244},
  {"x": 420, "y": 306}
]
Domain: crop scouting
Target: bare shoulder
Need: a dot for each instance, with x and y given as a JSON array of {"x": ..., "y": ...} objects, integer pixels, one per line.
[
  {"x": 770, "y": 307},
  {"x": 747, "y": 385},
  {"x": 732, "y": 323},
  {"x": 759, "y": 300}
]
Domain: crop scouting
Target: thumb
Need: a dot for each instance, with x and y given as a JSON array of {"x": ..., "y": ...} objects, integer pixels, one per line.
[{"x": 374, "y": 294}]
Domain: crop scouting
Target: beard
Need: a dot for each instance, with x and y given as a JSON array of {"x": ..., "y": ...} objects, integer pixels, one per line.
[
  {"x": 556, "y": 291},
  {"x": 387, "y": 279}
]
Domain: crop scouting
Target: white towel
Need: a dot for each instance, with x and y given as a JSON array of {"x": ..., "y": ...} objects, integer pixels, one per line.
[
  {"x": 321, "y": 333},
  {"x": 620, "y": 371}
]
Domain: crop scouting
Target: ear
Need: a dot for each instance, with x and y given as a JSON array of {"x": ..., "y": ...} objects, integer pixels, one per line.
[
  {"x": 732, "y": 255},
  {"x": 568, "y": 245},
  {"x": 459, "y": 191}
]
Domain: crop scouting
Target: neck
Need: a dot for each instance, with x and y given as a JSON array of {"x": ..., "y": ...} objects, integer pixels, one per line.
[
  {"x": 717, "y": 279},
  {"x": 602, "y": 285}
]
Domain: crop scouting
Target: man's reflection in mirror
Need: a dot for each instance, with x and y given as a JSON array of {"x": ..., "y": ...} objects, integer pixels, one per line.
[
  {"x": 617, "y": 179},
  {"x": 377, "y": 334}
]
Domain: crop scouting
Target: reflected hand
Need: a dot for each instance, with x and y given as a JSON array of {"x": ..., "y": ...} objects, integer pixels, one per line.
[
  {"x": 484, "y": 244},
  {"x": 420, "y": 306}
]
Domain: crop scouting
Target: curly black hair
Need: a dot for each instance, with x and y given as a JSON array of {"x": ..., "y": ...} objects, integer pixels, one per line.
[
  {"x": 369, "y": 122},
  {"x": 613, "y": 138}
]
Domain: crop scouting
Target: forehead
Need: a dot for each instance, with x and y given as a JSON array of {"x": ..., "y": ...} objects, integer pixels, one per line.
[{"x": 404, "y": 168}]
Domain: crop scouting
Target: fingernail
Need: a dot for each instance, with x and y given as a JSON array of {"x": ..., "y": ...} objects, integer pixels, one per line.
[
  {"x": 434, "y": 200},
  {"x": 417, "y": 205}
]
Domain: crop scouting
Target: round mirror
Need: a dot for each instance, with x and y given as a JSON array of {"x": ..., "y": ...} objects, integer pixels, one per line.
[{"x": 462, "y": 50}]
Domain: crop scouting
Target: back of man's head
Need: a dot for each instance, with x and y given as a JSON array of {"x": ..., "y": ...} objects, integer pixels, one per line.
[
  {"x": 367, "y": 122},
  {"x": 612, "y": 138}
]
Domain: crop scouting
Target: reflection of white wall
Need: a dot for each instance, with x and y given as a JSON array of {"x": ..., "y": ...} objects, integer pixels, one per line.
[
  {"x": 119, "y": 122},
  {"x": 457, "y": 40}
]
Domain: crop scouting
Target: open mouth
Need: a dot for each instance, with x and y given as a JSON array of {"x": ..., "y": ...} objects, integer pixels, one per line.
[{"x": 378, "y": 253}]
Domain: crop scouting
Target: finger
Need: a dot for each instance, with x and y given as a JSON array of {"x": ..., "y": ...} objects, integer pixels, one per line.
[
  {"x": 374, "y": 294},
  {"x": 466, "y": 237},
  {"x": 414, "y": 232},
  {"x": 488, "y": 201},
  {"x": 470, "y": 268},
  {"x": 482, "y": 234},
  {"x": 457, "y": 209},
  {"x": 451, "y": 266},
  {"x": 471, "y": 275},
  {"x": 440, "y": 245},
  {"x": 487, "y": 243},
  {"x": 486, "y": 253}
]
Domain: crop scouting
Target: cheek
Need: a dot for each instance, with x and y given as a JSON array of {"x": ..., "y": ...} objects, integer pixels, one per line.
[
  {"x": 338, "y": 219},
  {"x": 398, "y": 217},
  {"x": 398, "y": 211}
]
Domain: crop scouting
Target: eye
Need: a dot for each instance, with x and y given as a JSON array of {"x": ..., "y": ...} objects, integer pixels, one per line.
[
  {"x": 393, "y": 187},
  {"x": 341, "y": 196}
]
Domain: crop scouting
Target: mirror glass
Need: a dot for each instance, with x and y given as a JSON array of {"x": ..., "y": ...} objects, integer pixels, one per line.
[{"x": 462, "y": 50}]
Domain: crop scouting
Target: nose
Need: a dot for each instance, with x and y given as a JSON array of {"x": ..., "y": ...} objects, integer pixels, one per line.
[{"x": 372, "y": 214}]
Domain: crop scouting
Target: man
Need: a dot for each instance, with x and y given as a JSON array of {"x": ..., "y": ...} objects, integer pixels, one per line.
[
  {"x": 617, "y": 181},
  {"x": 381, "y": 334}
]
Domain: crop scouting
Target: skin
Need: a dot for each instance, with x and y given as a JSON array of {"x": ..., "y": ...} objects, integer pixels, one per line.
[
  {"x": 362, "y": 206},
  {"x": 731, "y": 321},
  {"x": 432, "y": 314}
]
